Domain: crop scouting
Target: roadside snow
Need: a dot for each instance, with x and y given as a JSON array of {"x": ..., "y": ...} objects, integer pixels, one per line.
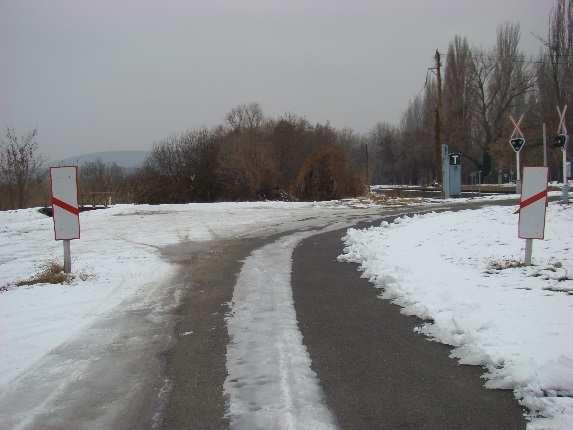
[
  {"x": 270, "y": 382},
  {"x": 457, "y": 269}
]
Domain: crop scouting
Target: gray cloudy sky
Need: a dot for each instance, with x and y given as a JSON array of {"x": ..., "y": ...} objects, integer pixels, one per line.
[{"x": 116, "y": 75}]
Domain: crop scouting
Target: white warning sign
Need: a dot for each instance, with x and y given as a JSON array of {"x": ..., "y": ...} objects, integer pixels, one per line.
[{"x": 66, "y": 211}]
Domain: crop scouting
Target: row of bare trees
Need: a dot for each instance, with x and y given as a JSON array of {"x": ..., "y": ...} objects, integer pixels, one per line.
[
  {"x": 250, "y": 157},
  {"x": 481, "y": 88}
]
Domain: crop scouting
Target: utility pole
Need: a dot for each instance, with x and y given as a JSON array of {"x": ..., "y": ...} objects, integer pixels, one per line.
[
  {"x": 367, "y": 178},
  {"x": 438, "y": 125},
  {"x": 367, "y": 169},
  {"x": 544, "y": 145}
]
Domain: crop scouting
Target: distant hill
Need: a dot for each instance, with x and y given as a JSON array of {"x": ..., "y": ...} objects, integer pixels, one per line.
[{"x": 127, "y": 159}]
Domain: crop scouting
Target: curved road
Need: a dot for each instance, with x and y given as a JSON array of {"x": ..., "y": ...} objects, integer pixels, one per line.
[
  {"x": 374, "y": 371},
  {"x": 345, "y": 356}
]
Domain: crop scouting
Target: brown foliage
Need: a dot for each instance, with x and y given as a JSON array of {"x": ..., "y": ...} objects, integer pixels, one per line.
[{"x": 326, "y": 175}]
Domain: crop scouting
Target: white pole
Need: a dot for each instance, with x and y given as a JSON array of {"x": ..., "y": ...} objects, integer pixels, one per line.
[
  {"x": 67, "y": 257},
  {"x": 563, "y": 129},
  {"x": 528, "y": 251},
  {"x": 565, "y": 189},
  {"x": 518, "y": 181}
]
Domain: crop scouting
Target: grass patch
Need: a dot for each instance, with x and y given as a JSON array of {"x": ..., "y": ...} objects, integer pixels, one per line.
[
  {"x": 504, "y": 264},
  {"x": 51, "y": 272}
]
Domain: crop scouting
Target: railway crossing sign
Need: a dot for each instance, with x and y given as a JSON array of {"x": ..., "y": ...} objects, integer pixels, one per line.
[
  {"x": 532, "y": 204},
  {"x": 561, "y": 141},
  {"x": 517, "y": 139},
  {"x": 532, "y": 207},
  {"x": 65, "y": 208},
  {"x": 517, "y": 142}
]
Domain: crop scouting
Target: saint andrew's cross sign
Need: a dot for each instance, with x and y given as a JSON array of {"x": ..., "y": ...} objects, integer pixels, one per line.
[
  {"x": 517, "y": 139},
  {"x": 517, "y": 142}
]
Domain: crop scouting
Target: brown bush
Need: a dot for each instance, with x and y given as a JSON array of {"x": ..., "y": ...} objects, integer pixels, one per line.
[
  {"x": 51, "y": 272},
  {"x": 326, "y": 175}
]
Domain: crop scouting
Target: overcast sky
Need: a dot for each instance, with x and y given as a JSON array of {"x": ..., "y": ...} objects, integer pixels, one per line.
[{"x": 104, "y": 75}]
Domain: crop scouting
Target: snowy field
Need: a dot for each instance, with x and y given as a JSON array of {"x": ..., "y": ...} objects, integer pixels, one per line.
[{"x": 460, "y": 271}]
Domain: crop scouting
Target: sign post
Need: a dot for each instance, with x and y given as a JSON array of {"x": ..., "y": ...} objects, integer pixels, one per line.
[
  {"x": 455, "y": 173},
  {"x": 517, "y": 142},
  {"x": 561, "y": 141},
  {"x": 65, "y": 208},
  {"x": 532, "y": 207},
  {"x": 445, "y": 173}
]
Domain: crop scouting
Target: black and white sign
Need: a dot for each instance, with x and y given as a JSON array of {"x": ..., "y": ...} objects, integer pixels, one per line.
[
  {"x": 560, "y": 141},
  {"x": 533, "y": 203},
  {"x": 517, "y": 143},
  {"x": 65, "y": 206},
  {"x": 455, "y": 158}
]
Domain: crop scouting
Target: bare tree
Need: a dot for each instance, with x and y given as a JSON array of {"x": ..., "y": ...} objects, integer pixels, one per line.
[
  {"x": 559, "y": 44},
  {"x": 458, "y": 99},
  {"x": 500, "y": 79},
  {"x": 245, "y": 117},
  {"x": 19, "y": 166}
]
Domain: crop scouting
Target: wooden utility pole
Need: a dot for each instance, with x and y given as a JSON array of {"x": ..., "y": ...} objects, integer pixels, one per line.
[
  {"x": 367, "y": 172},
  {"x": 438, "y": 125}
]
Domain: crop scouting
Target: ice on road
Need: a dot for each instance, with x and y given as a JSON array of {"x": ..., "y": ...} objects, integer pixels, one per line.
[{"x": 270, "y": 382}]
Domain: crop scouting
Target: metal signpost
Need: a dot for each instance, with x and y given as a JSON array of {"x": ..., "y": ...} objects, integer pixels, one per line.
[
  {"x": 517, "y": 142},
  {"x": 451, "y": 173},
  {"x": 445, "y": 173},
  {"x": 532, "y": 206},
  {"x": 65, "y": 208},
  {"x": 561, "y": 141},
  {"x": 455, "y": 173}
]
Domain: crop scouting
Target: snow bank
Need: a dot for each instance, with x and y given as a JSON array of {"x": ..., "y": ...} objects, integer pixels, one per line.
[{"x": 458, "y": 270}]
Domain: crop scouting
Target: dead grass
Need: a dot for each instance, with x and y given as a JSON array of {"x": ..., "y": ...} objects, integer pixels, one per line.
[
  {"x": 504, "y": 264},
  {"x": 51, "y": 272}
]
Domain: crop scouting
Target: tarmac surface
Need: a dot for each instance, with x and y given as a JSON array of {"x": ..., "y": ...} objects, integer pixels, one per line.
[{"x": 375, "y": 371}]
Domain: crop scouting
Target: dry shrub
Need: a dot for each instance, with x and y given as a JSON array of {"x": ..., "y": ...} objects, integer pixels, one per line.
[
  {"x": 51, "y": 272},
  {"x": 326, "y": 175},
  {"x": 504, "y": 264}
]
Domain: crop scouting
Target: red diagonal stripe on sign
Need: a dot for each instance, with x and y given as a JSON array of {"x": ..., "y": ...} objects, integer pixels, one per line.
[
  {"x": 531, "y": 200},
  {"x": 65, "y": 206}
]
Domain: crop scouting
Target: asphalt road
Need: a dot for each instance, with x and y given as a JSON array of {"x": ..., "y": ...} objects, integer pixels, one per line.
[{"x": 375, "y": 371}]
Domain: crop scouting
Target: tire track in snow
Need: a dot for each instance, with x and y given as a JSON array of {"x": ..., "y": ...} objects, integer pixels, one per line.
[{"x": 270, "y": 383}]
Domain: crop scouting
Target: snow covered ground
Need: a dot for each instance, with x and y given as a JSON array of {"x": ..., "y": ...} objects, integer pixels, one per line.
[
  {"x": 119, "y": 252},
  {"x": 460, "y": 271}
]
